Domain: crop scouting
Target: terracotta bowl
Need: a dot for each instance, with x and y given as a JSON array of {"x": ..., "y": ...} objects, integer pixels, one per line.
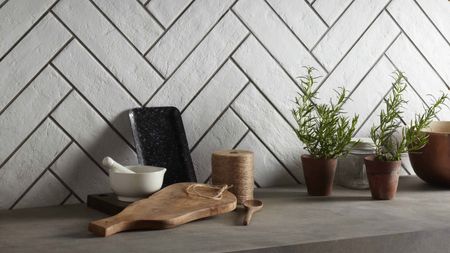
[{"x": 432, "y": 163}]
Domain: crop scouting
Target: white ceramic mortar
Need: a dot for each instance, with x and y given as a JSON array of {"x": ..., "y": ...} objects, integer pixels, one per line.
[{"x": 130, "y": 187}]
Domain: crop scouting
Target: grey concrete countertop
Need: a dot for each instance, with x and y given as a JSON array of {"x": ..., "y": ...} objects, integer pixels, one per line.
[{"x": 418, "y": 220}]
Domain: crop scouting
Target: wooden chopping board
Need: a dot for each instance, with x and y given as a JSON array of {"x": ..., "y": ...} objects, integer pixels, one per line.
[{"x": 170, "y": 207}]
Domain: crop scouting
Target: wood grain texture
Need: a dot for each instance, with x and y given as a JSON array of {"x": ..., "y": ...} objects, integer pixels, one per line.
[{"x": 168, "y": 208}]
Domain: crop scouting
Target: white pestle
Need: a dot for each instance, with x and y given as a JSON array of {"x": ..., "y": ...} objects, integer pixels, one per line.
[{"x": 117, "y": 167}]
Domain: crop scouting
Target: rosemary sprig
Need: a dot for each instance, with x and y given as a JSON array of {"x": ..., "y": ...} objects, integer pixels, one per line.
[
  {"x": 387, "y": 146},
  {"x": 323, "y": 128}
]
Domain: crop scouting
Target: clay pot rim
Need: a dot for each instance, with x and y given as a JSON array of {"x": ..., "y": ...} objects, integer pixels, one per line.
[
  {"x": 309, "y": 156},
  {"x": 438, "y": 128},
  {"x": 371, "y": 158}
]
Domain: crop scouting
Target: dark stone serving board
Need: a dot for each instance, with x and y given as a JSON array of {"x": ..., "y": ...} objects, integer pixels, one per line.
[
  {"x": 161, "y": 141},
  {"x": 106, "y": 203}
]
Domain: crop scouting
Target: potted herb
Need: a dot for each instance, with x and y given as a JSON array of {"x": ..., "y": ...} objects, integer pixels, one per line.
[
  {"x": 326, "y": 133},
  {"x": 391, "y": 139}
]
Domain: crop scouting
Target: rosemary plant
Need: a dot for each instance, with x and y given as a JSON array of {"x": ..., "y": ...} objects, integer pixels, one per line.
[
  {"x": 388, "y": 146},
  {"x": 323, "y": 128}
]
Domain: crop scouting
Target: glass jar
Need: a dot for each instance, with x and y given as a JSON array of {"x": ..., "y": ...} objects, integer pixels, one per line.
[{"x": 351, "y": 171}]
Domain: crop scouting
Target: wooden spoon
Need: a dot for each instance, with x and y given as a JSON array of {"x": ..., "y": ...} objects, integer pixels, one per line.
[{"x": 252, "y": 206}]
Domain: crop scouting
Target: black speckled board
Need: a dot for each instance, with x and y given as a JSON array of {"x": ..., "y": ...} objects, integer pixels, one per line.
[{"x": 161, "y": 141}]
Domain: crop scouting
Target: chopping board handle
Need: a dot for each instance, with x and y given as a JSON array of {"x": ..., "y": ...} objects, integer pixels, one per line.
[{"x": 108, "y": 226}]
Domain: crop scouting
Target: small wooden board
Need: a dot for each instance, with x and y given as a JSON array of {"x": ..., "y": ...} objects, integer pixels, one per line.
[
  {"x": 170, "y": 207},
  {"x": 107, "y": 203}
]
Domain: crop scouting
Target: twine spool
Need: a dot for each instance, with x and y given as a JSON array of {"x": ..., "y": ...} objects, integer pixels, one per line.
[{"x": 234, "y": 167}]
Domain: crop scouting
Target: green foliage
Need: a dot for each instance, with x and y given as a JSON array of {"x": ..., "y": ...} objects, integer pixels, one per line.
[
  {"x": 388, "y": 145},
  {"x": 415, "y": 138},
  {"x": 323, "y": 128}
]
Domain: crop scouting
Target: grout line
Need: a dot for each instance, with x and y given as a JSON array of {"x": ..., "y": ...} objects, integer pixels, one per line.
[
  {"x": 405, "y": 169},
  {"x": 237, "y": 144},
  {"x": 208, "y": 178},
  {"x": 34, "y": 130},
  {"x": 373, "y": 65},
  {"x": 78, "y": 144},
  {"x": 320, "y": 16},
  {"x": 265, "y": 145},
  {"x": 295, "y": 35},
  {"x": 151, "y": 14},
  {"x": 353, "y": 46},
  {"x": 66, "y": 198},
  {"x": 36, "y": 75},
  {"x": 93, "y": 107},
  {"x": 420, "y": 52},
  {"x": 267, "y": 51},
  {"x": 3, "y": 4},
  {"x": 242, "y": 138},
  {"x": 431, "y": 21},
  {"x": 425, "y": 104},
  {"x": 97, "y": 60},
  {"x": 234, "y": 147},
  {"x": 407, "y": 81},
  {"x": 198, "y": 44},
  {"x": 168, "y": 28},
  {"x": 127, "y": 39},
  {"x": 214, "y": 73},
  {"x": 218, "y": 118},
  {"x": 29, "y": 29},
  {"x": 186, "y": 58},
  {"x": 332, "y": 25},
  {"x": 372, "y": 112},
  {"x": 65, "y": 185},
  {"x": 41, "y": 175},
  {"x": 262, "y": 93}
]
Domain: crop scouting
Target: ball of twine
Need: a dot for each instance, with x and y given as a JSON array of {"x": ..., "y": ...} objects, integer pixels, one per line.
[{"x": 234, "y": 167}]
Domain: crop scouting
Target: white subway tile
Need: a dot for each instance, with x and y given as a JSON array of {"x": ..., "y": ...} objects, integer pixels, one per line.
[
  {"x": 299, "y": 16},
  {"x": 47, "y": 191},
  {"x": 167, "y": 11},
  {"x": 273, "y": 130},
  {"x": 439, "y": 13},
  {"x": 29, "y": 109},
  {"x": 16, "y": 17},
  {"x": 419, "y": 73},
  {"x": 267, "y": 170},
  {"x": 30, "y": 56},
  {"x": 97, "y": 85},
  {"x": 127, "y": 64},
  {"x": 275, "y": 36},
  {"x": 212, "y": 101},
  {"x": 330, "y": 10},
  {"x": 423, "y": 34},
  {"x": 132, "y": 19},
  {"x": 361, "y": 58},
  {"x": 340, "y": 38},
  {"x": 30, "y": 160},
  {"x": 370, "y": 92},
  {"x": 201, "y": 64},
  {"x": 184, "y": 35},
  {"x": 80, "y": 173},
  {"x": 91, "y": 131},
  {"x": 225, "y": 134},
  {"x": 268, "y": 76}
]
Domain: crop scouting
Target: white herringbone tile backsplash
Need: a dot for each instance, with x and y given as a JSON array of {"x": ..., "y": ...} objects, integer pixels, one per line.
[{"x": 71, "y": 69}]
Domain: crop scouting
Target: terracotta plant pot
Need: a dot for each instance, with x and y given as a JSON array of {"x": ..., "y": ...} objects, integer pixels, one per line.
[
  {"x": 432, "y": 163},
  {"x": 383, "y": 177},
  {"x": 319, "y": 175}
]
